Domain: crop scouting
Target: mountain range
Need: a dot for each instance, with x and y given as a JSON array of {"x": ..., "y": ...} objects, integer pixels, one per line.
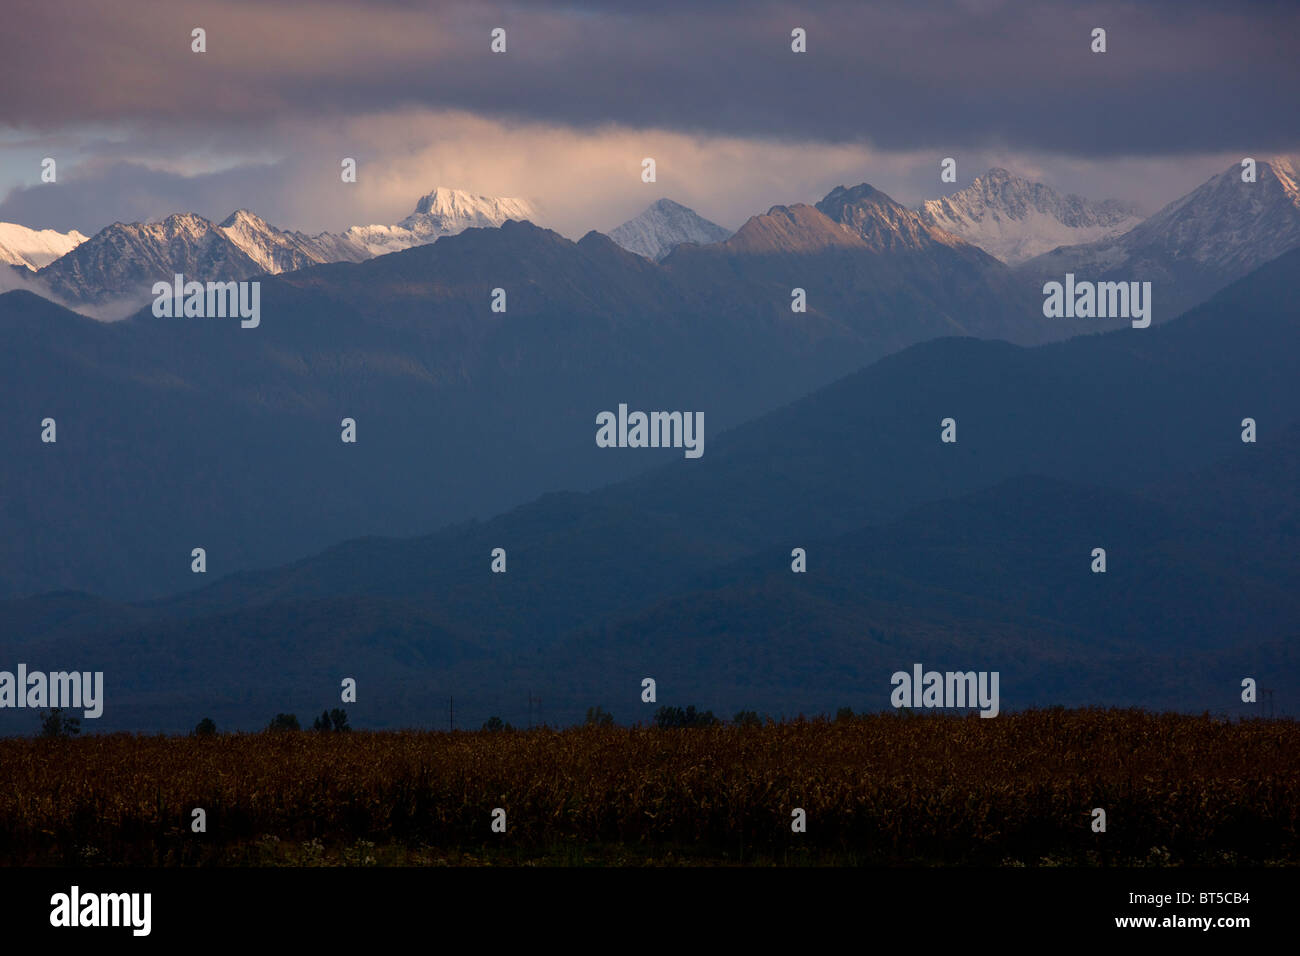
[
  {"x": 823, "y": 344},
  {"x": 1188, "y": 250},
  {"x": 176, "y": 433},
  {"x": 1196, "y": 244},
  {"x": 971, "y": 555},
  {"x": 111, "y": 274}
]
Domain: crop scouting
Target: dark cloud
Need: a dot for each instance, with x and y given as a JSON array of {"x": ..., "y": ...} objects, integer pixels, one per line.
[
  {"x": 138, "y": 122},
  {"x": 94, "y": 195},
  {"x": 1178, "y": 77}
]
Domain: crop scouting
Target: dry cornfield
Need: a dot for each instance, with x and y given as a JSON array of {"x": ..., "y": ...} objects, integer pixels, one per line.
[{"x": 877, "y": 789}]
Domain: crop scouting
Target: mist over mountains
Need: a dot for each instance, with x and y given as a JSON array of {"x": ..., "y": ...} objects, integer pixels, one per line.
[
  {"x": 172, "y": 430},
  {"x": 463, "y": 411},
  {"x": 475, "y": 430},
  {"x": 967, "y": 555}
]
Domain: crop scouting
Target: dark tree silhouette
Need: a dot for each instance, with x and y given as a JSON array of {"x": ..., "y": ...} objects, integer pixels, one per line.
[
  {"x": 672, "y": 717},
  {"x": 284, "y": 722},
  {"x": 54, "y": 723}
]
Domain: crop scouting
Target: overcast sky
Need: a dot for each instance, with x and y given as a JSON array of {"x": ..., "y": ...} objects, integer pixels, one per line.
[{"x": 140, "y": 126}]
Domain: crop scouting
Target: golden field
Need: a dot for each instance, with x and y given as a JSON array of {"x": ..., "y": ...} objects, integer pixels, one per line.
[{"x": 878, "y": 789}]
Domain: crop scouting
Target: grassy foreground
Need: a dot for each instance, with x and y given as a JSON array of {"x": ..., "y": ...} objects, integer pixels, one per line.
[{"x": 1018, "y": 789}]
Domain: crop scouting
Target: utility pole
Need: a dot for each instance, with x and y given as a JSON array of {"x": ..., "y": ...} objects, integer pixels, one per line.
[
  {"x": 451, "y": 712},
  {"x": 530, "y": 710}
]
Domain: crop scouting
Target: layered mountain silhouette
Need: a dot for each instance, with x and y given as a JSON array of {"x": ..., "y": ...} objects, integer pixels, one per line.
[
  {"x": 967, "y": 556},
  {"x": 177, "y": 433},
  {"x": 112, "y": 273},
  {"x": 1189, "y": 250}
]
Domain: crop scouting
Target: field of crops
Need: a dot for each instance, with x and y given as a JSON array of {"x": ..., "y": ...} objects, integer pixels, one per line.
[{"x": 883, "y": 789}]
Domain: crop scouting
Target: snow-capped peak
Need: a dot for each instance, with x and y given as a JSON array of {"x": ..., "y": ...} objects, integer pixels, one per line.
[
  {"x": 456, "y": 204},
  {"x": 663, "y": 226},
  {"x": 443, "y": 212},
  {"x": 276, "y": 250},
  {"x": 1015, "y": 219},
  {"x": 34, "y": 248},
  {"x": 1198, "y": 243},
  {"x": 1228, "y": 220},
  {"x": 244, "y": 219}
]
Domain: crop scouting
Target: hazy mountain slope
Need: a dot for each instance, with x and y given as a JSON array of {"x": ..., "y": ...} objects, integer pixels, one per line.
[
  {"x": 1196, "y": 244},
  {"x": 462, "y": 410},
  {"x": 998, "y": 581},
  {"x": 1119, "y": 410},
  {"x": 684, "y": 572}
]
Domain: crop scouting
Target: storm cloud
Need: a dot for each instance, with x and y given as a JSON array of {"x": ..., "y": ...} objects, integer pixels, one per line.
[
  {"x": 1177, "y": 76},
  {"x": 143, "y": 126}
]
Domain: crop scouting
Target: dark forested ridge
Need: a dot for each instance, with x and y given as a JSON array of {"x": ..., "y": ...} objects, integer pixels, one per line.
[
  {"x": 972, "y": 555},
  {"x": 175, "y": 433}
]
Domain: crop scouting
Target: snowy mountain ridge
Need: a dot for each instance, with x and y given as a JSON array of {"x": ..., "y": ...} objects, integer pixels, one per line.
[
  {"x": 35, "y": 248},
  {"x": 1200, "y": 242},
  {"x": 443, "y": 212},
  {"x": 111, "y": 273},
  {"x": 1014, "y": 219}
]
